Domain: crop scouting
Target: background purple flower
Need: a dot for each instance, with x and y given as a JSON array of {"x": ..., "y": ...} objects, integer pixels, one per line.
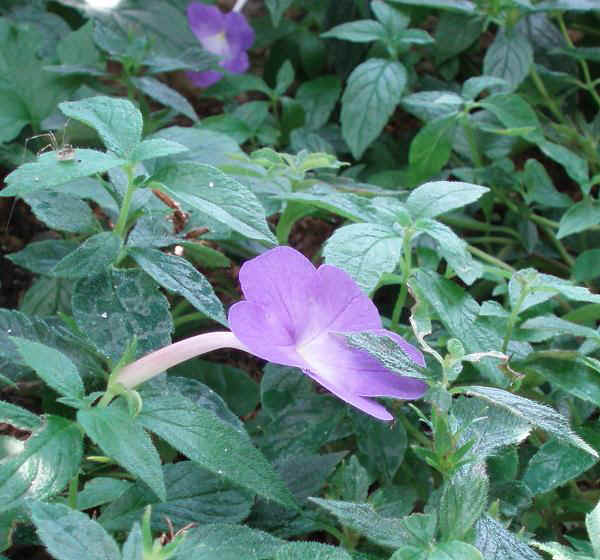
[
  {"x": 292, "y": 315},
  {"x": 226, "y": 35}
]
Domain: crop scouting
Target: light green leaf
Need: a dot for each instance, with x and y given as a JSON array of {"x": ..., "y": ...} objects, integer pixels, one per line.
[
  {"x": 313, "y": 550},
  {"x": 48, "y": 171},
  {"x": 514, "y": 113},
  {"x": 586, "y": 265},
  {"x": 55, "y": 369},
  {"x": 166, "y": 95},
  {"x": 374, "y": 89},
  {"x": 62, "y": 212},
  {"x": 113, "y": 307},
  {"x": 509, "y": 57},
  {"x": 539, "y": 415},
  {"x": 474, "y": 86},
  {"x": 205, "y": 439},
  {"x": 123, "y": 439},
  {"x": 494, "y": 541},
  {"x": 365, "y": 251},
  {"x": 18, "y": 417},
  {"x": 179, "y": 276},
  {"x": 50, "y": 459},
  {"x": 556, "y": 326},
  {"x": 430, "y": 105},
  {"x": 592, "y": 524},
  {"x": 156, "y": 147},
  {"x": 133, "y": 547},
  {"x": 359, "y": 31},
  {"x": 13, "y": 115},
  {"x": 117, "y": 121},
  {"x": 72, "y": 535},
  {"x": 430, "y": 149},
  {"x": 559, "y": 551},
  {"x": 228, "y": 542},
  {"x": 92, "y": 257},
  {"x": 223, "y": 198},
  {"x": 579, "y": 217}
]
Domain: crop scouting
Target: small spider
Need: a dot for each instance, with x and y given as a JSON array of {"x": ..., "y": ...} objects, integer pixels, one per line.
[{"x": 64, "y": 152}]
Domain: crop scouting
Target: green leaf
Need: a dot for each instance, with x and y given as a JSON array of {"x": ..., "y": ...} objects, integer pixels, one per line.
[
  {"x": 277, "y": 8},
  {"x": 228, "y": 542},
  {"x": 500, "y": 428},
  {"x": 381, "y": 447},
  {"x": 166, "y": 95},
  {"x": 560, "y": 552},
  {"x": 18, "y": 417},
  {"x": 430, "y": 105},
  {"x": 318, "y": 99},
  {"x": 416, "y": 530},
  {"x": 540, "y": 188},
  {"x": 62, "y": 212},
  {"x": 72, "y": 535},
  {"x": 156, "y": 147},
  {"x": 313, "y": 550},
  {"x": 494, "y": 541},
  {"x": 194, "y": 495},
  {"x": 579, "y": 217},
  {"x": 539, "y": 415},
  {"x": 123, "y": 439},
  {"x": 430, "y": 149},
  {"x": 47, "y": 297},
  {"x": 205, "y": 439},
  {"x": 374, "y": 89},
  {"x": 117, "y": 121},
  {"x": 115, "y": 306},
  {"x": 133, "y": 547},
  {"x": 432, "y": 199},
  {"x": 459, "y": 313},
  {"x": 556, "y": 325},
  {"x": 514, "y": 113},
  {"x": 454, "y": 33},
  {"x": 351, "y": 481},
  {"x": 585, "y": 268},
  {"x": 575, "y": 166},
  {"x": 40, "y": 257},
  {"x": 92, "y": 257},
  {"x": 48, "y": 171},
  {"x": 554, "y": 464},
  {"x": 224, "y": 199},
  {"x": 454, "y": 5},
  {"x": 365, "y": 251},
  {"x": 179, "y": 276},
  {"x": 78, "y": 47},
  {"x": 509, "y": 57},
  {"x": 592, "y": 523},
  {"x": 463, "y": 500},
  {"x": 474, "y": 86},
  {"x": 50, "y": 459},
  {"x": 567, "y": 5},
  {"x": 284, "y": 78},
  {"x": 100, "y": 491},
  {"x": 13, "y": 115},
  {"x": 452, "y": 550},
  {"x": 359, "y": 31},
  {"x": 55, "y": 369},
  {"x": 452, "y": 248}
]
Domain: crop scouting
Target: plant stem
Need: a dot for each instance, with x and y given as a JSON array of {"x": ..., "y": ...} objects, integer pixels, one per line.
[
  {"x": 188, "y": 318},
  {"x": 489, "y": 258},
  {"x": 559, "y": 246},
  {"x": 539, "y": 84},
  {"x": 413, "y": 431},
  {"x": 513, "y": 318},
  {"x": 121, "y": 226},
  {"x": 406, "y": 268},
  {"x": 73, "y": 489}
]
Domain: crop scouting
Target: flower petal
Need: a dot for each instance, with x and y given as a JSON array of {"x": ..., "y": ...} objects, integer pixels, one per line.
[
  {"x": 262, "y": 332},
  {"x": 237, "y": 64},
  {"x": 205, "y": 20},
  {"x": 411, "y": 351},
  {"x": 281, "y": 281},
  {"x": 239, "y": 33},
  {"x": 369, "y": 406},
  {"x": 204, "y": 79}
]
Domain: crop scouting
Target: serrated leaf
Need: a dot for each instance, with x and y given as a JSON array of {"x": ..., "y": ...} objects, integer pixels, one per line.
[
  {"x": 162, "y": 93},
  {"x": 494, "y": 541},
  {"x": 115, "y": 306},
  {"x": 194, "y": 495},
  {"x": 117, "y": 121},
  {"x": 463, "y": 500},
  {"x": 539, "y": 415},
  {"x": 92, "y": 257},
  {"x": 179, "y": 276},
  {"x": 223, "y": 198},
  {"x": 123, "y": 439},
  {"x": 48, "y": 171},
  {"x": 373, "y": 90},
  {"x": 592, "y": 524},
  {"x": 72, "y": 535},
  {"x": 365, "y": 251},
  {"x": 228, "y": 542},
  {"x": 55, "y": 369},
  {"x": 431, "y": 147},
  {"x": 50, "y": 459},
  {"x": 554, "y": 464},
  {"x": 438, "y": 197},
  {"x": 205, "y": 439},
  {"x": 313, "y": 550},
  {"x": 509, "y": 57},
  {"x": 416, "y": 530}
]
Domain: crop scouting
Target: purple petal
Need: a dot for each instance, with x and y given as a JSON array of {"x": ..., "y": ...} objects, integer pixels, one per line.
[
  {"x": 369, "y": 406},
  {"x": 262, "y": 332},
  {"x": 204, "y": 79},
  {"x": 411, "y": 351},
  {"x": 239, "y": 34},
  {"x": 281, "y": 281},
  {"x": 237, "y": 64},
  {"x": 205, "y": 20}
]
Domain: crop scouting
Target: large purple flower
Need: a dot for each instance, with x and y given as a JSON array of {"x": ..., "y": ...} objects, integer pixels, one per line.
[
  {"x": 293, "y": 314},
  {"x": 226, "y": 35}
]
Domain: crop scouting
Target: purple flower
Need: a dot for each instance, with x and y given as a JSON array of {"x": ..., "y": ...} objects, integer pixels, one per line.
[
  {"x": 226, "y": 35},
  {"x": 293, "y": 314}
]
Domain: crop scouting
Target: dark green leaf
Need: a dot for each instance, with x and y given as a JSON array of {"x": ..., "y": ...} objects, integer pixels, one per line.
[
  {"x": 575, "y": 166},
  {"x": 359, "y": 31},
  {"x": 454, "y": 33},
  {"x": 277, "y": 8},
  {"x": 313, "y": 550},
  {"x": 18, "y": 417},
  {"x": 318, "y": 98},
  {"x": 169, "y": 97},
  {"x": 91, "y": 258},
  {"x": 579, "y": 217},
  {"x": 156, "y": 147},
  {"x": 123, "y": 439},
  {"x": 430, "y": 148},
  {"x": 514, "y": 113},
  {"x": 41, "y": 256},
  {"x": 100, "y": 491},
  {"x": 62, "y": 212},
  {"x": 586, "y": 265},
  {"x": 179, "y": 276},
  {"x": 509, "y": 57},
  {"x": 540, "y": 188}
]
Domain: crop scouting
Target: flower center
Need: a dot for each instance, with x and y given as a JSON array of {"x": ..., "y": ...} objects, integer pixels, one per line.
[{"x": 216, "y": 44}]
